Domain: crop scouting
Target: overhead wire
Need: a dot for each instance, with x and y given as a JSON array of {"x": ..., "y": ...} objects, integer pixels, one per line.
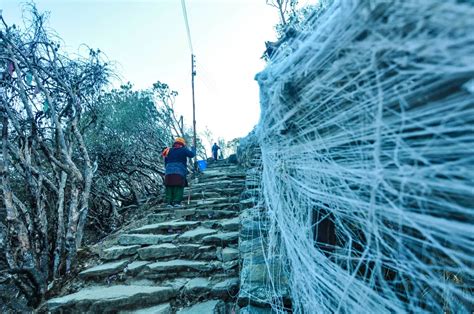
[{"x": 186, "y": 21}]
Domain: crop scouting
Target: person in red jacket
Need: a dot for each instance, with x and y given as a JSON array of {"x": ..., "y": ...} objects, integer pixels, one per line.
[{"x": 176, "y": 158}]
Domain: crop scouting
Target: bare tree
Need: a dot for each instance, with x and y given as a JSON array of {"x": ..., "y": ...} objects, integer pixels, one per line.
[
  {"x": 45, "y": 166},
  {"x": 283, "y": 6}
]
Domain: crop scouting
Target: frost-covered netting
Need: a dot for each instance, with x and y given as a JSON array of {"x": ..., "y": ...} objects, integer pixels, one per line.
[{"x": 367, "y": 139}]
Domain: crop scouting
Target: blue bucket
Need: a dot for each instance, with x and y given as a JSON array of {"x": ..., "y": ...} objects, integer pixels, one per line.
[{"x": 202, "y": 164}]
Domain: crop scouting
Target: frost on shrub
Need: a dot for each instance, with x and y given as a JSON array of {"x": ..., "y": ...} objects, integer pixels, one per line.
[{"x": 367, "y": 140}]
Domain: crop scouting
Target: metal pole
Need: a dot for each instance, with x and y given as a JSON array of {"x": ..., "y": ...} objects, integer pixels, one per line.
[{"x": 193, "y": 74}]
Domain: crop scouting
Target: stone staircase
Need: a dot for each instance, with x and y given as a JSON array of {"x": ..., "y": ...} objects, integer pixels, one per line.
[{"x": 182, "y": 260}]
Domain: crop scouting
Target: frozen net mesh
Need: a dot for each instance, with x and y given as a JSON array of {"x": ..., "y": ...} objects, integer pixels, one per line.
[{"x": 367, "y": 140}]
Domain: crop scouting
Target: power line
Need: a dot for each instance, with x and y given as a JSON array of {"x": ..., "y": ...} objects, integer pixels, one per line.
[
  {"x": 193, "y": 74},
  {"x": 185, "y": 15}
]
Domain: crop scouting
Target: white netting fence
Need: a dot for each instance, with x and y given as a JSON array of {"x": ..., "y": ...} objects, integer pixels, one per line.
[{"x": 367, "y": 139}]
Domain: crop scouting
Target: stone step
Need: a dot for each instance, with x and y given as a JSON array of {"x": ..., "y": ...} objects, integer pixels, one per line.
[
  {"x": 220, "y": 175},
  {"x": 221, "y": 184},
  {"x": 216, "y": 214},
  {"x": 222, "y": 238},
  {"x": 145, "y": 239},
  {"x": 219, "y": 181},
  {"x": 202, "y": 215},
  {"x": 197, "y": 287},
  {"x": 232, "y": 224},
  {"x": 254, "y": 192},
  {"x": 249, "y": 201},
  {"x": 227, "y": 191},
  {"x": 197, "y": 251},
  {"x": 213, "y": 201},
  {"x": 168, "y": 212},
  {"x": 208, "y": 307},
  {"x": 203, "y": 194},
  {"x": 256, "y": 273},
  {"x": 176, "y": 267},
  {"x": 104, "y": 270},
  {"x": 210, "y": 172},
  {"x": 158, "y": 251},
  {"x": 252, "y": 184},
  {"x": 116, "y": 252},
  {"x": 162, "y": 214},
  {"x": 183, "y": 250},
  {"x": 226, "y": 289},
  {"x": 195, "y": 235},
  {"x": 166, "y": 227},
  {"x": 157, "y": 309},
  {"x": 216, "y": 186},
  {"x": 135, "y": 267},
  {"x": 219, "y": 206},
  {"x": 227, "y": 254},
  {"x": 97, "y": 299},
  {"x": 251, "y": 309}
]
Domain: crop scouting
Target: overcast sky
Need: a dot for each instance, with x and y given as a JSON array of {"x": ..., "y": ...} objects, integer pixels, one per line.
[{"x": 148, "y": 41}]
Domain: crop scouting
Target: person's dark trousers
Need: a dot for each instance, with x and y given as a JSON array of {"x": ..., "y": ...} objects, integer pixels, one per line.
[
  {"x": 174, "y": 188},
  {"x": 214, "y": 154},
  {"x": 174, "y": 194}
]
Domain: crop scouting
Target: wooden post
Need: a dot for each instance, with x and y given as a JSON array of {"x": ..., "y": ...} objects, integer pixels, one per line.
[{"x": 193, "y": 74}]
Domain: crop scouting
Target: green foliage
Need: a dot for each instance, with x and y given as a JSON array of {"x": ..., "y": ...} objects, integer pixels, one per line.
[
  {"x": 124, "y": 119},
  {"x": 125, "y": 133}
]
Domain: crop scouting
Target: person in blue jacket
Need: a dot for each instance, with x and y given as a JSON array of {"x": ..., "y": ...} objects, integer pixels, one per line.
[
  {"x": 176, "y": 169},
  {"x": 214, "y": 149}
]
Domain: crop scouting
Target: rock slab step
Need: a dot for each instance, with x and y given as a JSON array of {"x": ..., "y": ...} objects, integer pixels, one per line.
[
  {"x": 165, "y": 227},
  {"x": 180, "y": 265},
  {"x": 113, "y": 298},
  {"x": 230, "y": 224},
  {"x": 209, "y": 307},
  {"x": 228, "y": 254},
  {"x": 135, "y": 267},
  {"x": 145, "y": 239},
  {"x": 227, "y": 288},
  {"x": 197, "y": 286},
  {"x": 196, "y": 234},
  {"x": 116, "y": 252},
  {"x": 103, "y": 270},
  {"x": 159, "y": 309},
  {"x": 222, "y": 238},
  {"x": 158, "y": 251}
]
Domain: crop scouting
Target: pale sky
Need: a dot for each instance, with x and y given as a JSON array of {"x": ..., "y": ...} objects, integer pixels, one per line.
[{"x": 148, "y": 41}]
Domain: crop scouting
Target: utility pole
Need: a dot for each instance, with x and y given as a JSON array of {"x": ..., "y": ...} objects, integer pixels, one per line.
[{"x": 193, "y": 74}]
